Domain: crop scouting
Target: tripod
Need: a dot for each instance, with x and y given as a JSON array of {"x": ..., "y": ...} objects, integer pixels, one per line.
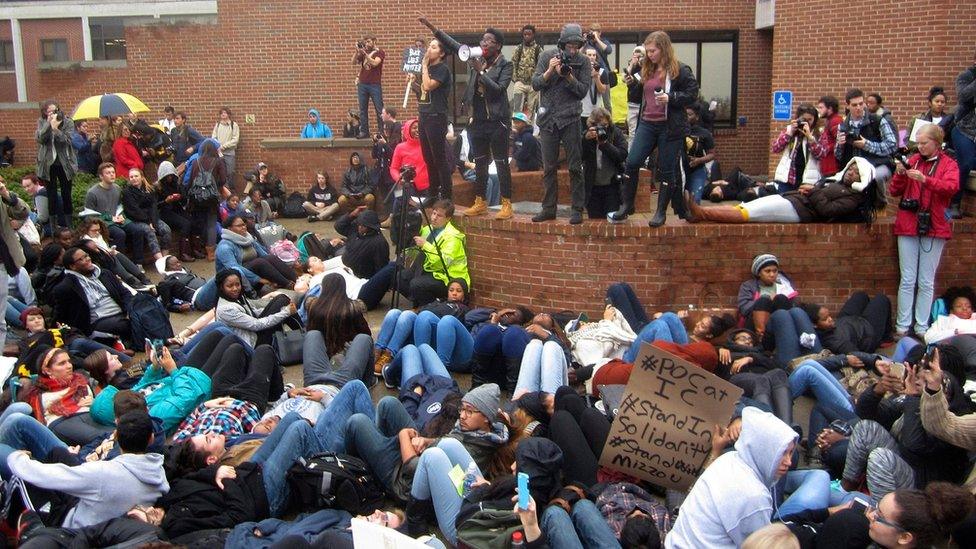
[{"x": 408, "y": 190}]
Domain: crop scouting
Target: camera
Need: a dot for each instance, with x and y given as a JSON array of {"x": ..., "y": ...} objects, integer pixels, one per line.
[
  {"x": 377, "y": 137},
  {"x": 924, "y": 222},
  {"x": 903, "y": 160},
  {"x": 658, "y": 90},
  {"x": 590, "y": 36},
  {"x": 59, "y": 115},
  {"x": 360, "y": 45},
  {"x": 853, "y": 134},
  {"x": 801, "y": 125},
  {"x": 408, "y": 172},
  {"x": 909, "y": 204},
  {"x": 601, "y": 132},
  {"x": 564, "y": 68}
]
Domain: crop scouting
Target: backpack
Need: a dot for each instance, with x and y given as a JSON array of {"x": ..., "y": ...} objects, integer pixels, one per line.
[
  {"x": 203, "y": 188},
  {"x": 309, "y": 245},
  {"x": 148, "y": 318},
  {"x": 293, "y": 206},
  {"x": 488, "y": 529},
  {"x": 270, "y": 233},
  {"x": 334, "y": 481},
  {"x": 285, "y": 250}
]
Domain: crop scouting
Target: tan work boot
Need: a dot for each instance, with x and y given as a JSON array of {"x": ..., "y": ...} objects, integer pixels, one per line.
[
  {"x": 478, "y": 208},
  {"x": 382, "y": 357},
  {"x": 715, "y": 214},
  {"x": 506, "y": 211}
]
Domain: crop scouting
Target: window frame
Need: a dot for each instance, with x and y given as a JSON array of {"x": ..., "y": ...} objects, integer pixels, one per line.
[
  {"x": 54, "y": 42},
  {"x": 96, "y": 28},
  {"x": 7, "y": 64}
]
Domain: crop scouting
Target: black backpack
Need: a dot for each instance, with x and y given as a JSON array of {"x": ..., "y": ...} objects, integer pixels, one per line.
[
  {"x": 148, "y": 318},
  {"x": 203, "y": 188},
  {"x": 293, "y": 206},
  {"x": 334, "y": 481}
]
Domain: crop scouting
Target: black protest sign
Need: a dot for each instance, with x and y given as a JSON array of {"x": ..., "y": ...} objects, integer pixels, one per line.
[
  {"x": 663, "y": 430},
  {"x": 411, "y": 59}
]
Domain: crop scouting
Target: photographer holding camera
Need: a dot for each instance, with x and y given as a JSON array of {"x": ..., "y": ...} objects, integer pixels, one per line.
[
  {"x": 801, "y": 151},
  {"x": 369, "y": 83},
  {"x": 866, "y": 135},
  {"x": 635, "y": 90},
  {"x": 604, "y": 150},
  {"x": 57, "y": 161},
  {"x": 563, "y": 78},
  {"x": 926, "y": 183},
  {"x": 600, "y": 86}
]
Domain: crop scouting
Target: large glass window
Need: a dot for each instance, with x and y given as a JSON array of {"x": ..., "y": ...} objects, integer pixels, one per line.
[
  {"x": 710, "y": 54},
  {"x": 108, "y": 38},
  {"x": 54, "y": 50},
  {"x": 6, "y": 55}
]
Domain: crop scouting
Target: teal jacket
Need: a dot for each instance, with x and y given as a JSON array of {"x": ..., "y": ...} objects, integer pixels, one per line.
[{"x": 178, "y": 395}]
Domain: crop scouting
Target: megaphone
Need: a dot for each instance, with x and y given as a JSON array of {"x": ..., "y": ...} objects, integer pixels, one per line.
[{"x": 466, "y": 52}]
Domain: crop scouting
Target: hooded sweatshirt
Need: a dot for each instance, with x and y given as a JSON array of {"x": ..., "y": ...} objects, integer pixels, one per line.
[
  {"x": 316, "y": 130},
  {"x": 408, "y": 152},
  {"x": 105, "y": 489},
  {"x": 357, "y": 180},
  {"x": 733, "y": 497}
]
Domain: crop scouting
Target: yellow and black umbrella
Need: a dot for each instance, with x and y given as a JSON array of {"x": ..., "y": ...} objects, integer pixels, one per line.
[{"x": 109, "y": 104}]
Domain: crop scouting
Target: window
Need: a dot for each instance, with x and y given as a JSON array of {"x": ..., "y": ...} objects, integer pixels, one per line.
[
  {"x": 712, "y": 56},
  {"x": 108, "y": 38},
  {"x": 6, "y": 55},
  {"x": 54, "y": 50}
]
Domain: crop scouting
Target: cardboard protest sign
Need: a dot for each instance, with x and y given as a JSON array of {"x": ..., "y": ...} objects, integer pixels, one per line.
[
  {"x": 663, "y": 430},
  {"x": 411, "y": 59}
]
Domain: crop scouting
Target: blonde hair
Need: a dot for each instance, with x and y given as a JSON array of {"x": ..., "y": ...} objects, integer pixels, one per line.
[
  {"x": 146, "y": 184},
  {"x": 772, "y": 536},
  {"x": 933, "y": 131},
  {"x": 669, "y": 62}
]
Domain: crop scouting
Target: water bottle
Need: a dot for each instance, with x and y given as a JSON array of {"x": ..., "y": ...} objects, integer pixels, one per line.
[
  {"x": 517, "y": 540},
  {"x": 469, "y": 477}
]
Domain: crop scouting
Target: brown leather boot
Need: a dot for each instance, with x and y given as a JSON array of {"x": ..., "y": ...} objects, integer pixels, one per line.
[
  {"x": 506, "y": 211},
  {"x": 478, "y": 208},
  {"x": 185, "y": 251},
  {"x": 210, "y": 252},
  {"x": 759, "y": 320},
  {"x": 716, "y": 214}
]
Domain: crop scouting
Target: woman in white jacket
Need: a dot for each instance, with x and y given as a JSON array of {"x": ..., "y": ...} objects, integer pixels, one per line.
[
  {"x": 234, "y": 310},
  {"x": 960, "y": 319}
]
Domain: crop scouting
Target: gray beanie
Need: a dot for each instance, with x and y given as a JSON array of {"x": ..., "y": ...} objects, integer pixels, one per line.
[
  {"x": 571, "y": 32},
  {"x": 485, "y": 399},
  {"x": 763, "y": 260}
]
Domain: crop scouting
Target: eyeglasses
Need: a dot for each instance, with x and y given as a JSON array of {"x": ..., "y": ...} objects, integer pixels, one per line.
[
  {"x": 874, "y": 513},
  {"x": 467, "y": 410}
]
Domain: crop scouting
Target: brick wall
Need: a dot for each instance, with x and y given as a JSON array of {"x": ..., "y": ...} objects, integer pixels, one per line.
[
  {"x": 668, "y": 266},
  {"x": 882, "y": 52},
  {"x": 277, "y": 59}
]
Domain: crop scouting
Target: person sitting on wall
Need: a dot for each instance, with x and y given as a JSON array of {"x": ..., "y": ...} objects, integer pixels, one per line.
[
  {"x": 315, "y": 128},
  {"x": 351, "y": 128},
  {"x": 271, "y": 187},
  {"x": 526, "y": 150},
  {"x": 866, "y": 135},
  {"x": 357, "y": 185}
]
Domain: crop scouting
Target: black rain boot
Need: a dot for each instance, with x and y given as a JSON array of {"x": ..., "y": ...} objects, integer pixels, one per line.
[
  {"x": 663, "y": 198},
  {"x": 419, "y": 512},
  {"x": 678, "y": 201},
  {"x": 628, "y": 194},
  {"x": 783, "y": 403},
  {"x": 512, "y": 367},
  {"x": 483, "y": 369}
]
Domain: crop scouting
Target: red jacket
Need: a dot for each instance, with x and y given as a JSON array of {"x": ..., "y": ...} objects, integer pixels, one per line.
[
  {"x": 934, "y": 195},
  {"x": 408, "y": 152},
  {"x": 828, "y": 138},
  {"x": 126, "y": 157}
]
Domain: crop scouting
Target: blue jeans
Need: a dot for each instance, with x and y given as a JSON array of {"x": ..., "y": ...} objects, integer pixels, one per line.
[
  {"x": 965, "y": 149},
  {"x": 648, "y": 136},
  {"x": 904, "y": 346},
  {"x": 666, "y": 328},
  {"x": 294, "y": 438},
  {"x": 586, "y": 527},
  {"x": 621, "y": 295},
  {"x": 543, "y": 368},
  {"x": 491, "y": 340},
  {"x": 811, "y": 376},
  {"x": 12, "y": 314},
  {"x": 918, "y": 260},
  {"x": 809, "y": 489},
  {"x": 20, "y": 431},
  {"x": 786, "y": 325},
  {"x": 85, "y": 346},
  {"x": 365, "y": 92},
  {"x": 696, "y": 181},
  {"x": 432, "y": 482},
  {"x": 448, "y": 335},
  {"x": 357, "y": 363},
  {"x": 396, "y": 330},
  {"x": 415, "y": 360},
  {"x": 140, "y": 235},
  {"x": 376, "y": 441}
]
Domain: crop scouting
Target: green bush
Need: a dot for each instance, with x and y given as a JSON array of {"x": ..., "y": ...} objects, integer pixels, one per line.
[{"x": 79, "y": 185}]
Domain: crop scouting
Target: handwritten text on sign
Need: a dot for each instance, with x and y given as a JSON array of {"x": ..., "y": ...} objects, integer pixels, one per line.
[
  {"x": 411, "y": 59},
  {"x": 663, "y": 431}
]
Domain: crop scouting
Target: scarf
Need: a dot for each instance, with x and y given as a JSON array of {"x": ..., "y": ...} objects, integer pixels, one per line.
[
  {"x": 242, "y": 241},
  {"x": 67, "y": 406},
  {"x": 497, "y": 436}
]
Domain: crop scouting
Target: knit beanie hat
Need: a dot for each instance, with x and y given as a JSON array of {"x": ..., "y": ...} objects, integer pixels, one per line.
[
  {"x": 763, "y": 260},
  {"x": 534, "y": 406},
  {"x": 485, "y": 399}
]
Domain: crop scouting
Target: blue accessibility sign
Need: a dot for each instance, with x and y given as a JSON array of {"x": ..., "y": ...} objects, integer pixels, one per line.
[{"x": 782, "y": 105}]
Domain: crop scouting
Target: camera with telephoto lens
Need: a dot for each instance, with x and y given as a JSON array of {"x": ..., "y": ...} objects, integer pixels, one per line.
[
  {"x": 59, "y": 115},
  {"x": 601, "y": 132},
  {"x": 565, "y": 59},
  {"x": 924, "y": 222},
  {"x": 590, "y": 36},
  {"x": 360, "y": 45},
  {"x": 801, "y": 125},
  {"x": 853, "y": 134},
  {"x": 407, "y": 173}
]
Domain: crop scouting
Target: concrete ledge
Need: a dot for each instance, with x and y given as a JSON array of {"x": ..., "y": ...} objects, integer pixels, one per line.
[
  {"x": 78, "y": 65},
  {"x": 26, "y": 105}
]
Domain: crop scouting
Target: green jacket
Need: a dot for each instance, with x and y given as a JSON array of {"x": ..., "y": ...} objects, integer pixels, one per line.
[
  {"x": 177, "y": 396},
  {"x": 451, "y": 244}
]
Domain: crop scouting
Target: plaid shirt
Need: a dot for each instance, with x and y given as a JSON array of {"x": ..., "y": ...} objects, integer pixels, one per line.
[
  {"x": 619, "y": 500},
  {"x": 237, "y": 419},
  {"x": 816, "y": 149}
]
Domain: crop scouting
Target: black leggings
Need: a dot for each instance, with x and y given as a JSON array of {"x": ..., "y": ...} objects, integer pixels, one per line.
[
  {"x": 60, "y": 204},
  {"x": 876, "y": 310},
  {"x": 227, "y": 365},
  {"x": 437, "y": 154},
  {"x": 271, "y": 268},
  {"x": 580, "y": 432}
]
